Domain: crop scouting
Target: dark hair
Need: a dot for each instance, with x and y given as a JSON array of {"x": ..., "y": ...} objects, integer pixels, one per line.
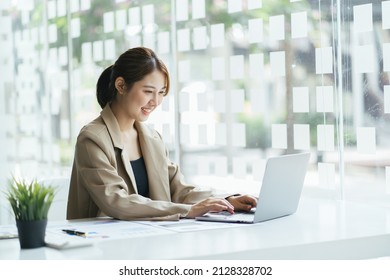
[{"x": 133, "y": 65}]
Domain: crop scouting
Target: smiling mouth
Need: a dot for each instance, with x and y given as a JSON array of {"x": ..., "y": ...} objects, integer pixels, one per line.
[{"x": 147, "y": 110}]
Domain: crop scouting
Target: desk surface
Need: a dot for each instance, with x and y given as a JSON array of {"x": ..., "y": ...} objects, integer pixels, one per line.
[{"x": 320, "y": 229}]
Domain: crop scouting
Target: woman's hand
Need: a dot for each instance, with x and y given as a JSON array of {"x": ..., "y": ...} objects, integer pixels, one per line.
[
  {"x": 210, "y": 204},
  {"x": 242, "y": 202}
]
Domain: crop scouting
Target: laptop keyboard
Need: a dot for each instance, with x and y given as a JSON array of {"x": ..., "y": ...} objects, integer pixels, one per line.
[{"x": 236, "y": 216}]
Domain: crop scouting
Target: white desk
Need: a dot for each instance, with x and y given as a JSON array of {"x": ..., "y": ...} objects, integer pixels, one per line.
[{"x": 320, "y": 229}]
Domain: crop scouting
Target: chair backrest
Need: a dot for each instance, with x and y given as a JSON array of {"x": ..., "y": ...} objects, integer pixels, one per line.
[{"x": 57, "y": 210}]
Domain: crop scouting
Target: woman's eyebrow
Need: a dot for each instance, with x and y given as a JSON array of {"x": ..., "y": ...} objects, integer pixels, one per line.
[{"x": 153, "y": 87}]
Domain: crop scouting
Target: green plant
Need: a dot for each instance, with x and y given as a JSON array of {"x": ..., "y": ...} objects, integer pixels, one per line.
[{"x": 30, "y": 201}]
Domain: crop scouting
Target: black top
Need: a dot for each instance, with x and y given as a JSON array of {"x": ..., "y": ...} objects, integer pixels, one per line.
[{"x": 141, "y": 176}]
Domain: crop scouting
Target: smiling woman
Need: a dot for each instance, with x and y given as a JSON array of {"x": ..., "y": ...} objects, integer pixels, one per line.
[{"x": 121, "y": 168}]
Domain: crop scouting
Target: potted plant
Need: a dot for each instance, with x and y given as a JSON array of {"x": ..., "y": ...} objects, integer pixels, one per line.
[{"x": 30, "y": 203}]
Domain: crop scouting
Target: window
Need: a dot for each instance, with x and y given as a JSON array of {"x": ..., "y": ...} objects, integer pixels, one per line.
[{"x": 251, "y": 79}]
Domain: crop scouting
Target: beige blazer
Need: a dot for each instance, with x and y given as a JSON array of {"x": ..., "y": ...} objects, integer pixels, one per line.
[{"x": 103, "y": 183}]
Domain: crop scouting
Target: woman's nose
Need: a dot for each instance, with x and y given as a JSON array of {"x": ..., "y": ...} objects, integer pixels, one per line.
[{"x": 156, "y": 99}]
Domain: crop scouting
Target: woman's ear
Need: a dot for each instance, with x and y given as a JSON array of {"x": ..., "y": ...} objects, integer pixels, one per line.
[{"x": 120, "y": 85}]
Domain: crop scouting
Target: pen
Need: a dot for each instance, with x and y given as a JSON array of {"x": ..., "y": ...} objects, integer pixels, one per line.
[{"x": 74, "y": 232}]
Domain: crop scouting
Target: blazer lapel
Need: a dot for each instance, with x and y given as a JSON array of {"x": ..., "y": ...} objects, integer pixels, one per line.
[
  {"x": 113, "y": 128},
  {"x": 154, "y": 155}
]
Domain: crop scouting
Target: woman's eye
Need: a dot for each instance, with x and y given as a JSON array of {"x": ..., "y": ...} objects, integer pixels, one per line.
[{"x": 162, "y": 92}]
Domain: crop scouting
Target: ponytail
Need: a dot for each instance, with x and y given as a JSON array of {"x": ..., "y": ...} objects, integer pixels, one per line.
[{"x": 104, "y": 92}]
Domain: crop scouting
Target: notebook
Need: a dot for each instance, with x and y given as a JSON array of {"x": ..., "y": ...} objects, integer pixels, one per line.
[{"x": 279, "y": 194}]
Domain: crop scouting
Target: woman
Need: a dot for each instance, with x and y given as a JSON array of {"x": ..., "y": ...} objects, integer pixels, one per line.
[{"x": 121, "y": 168}]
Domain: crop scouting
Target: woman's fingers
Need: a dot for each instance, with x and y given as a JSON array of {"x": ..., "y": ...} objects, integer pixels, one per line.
[{"x": 210, "y": 205}]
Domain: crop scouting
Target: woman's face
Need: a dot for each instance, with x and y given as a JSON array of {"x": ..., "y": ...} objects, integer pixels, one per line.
[{"x": 145, "y": 95}]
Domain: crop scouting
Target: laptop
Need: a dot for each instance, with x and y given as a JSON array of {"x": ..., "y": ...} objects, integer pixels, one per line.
[{"x": 279, "y": 194}]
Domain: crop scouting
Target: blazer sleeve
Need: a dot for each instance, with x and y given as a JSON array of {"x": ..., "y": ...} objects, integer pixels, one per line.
[
  {"x": 95, "y": 176},
  {"x": 182, "y": 192}
]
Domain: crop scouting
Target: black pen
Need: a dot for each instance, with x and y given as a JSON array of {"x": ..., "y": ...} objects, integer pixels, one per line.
[{"x": 74, "y": 232}]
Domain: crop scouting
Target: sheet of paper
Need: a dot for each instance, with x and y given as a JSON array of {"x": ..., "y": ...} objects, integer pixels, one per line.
[
  {"x": 185, "y": 137},
  {"x": 385, "y": 13},
  {"x": 135, "y": 41},
  {"x": 279, "y": 136},
  {"x": 200, "y": 38},
  {"x": 184, "y": 70},
  {"x": 299, "y": 25},
  {"x": 33, "y": 32},
  {"x": 301, "y": 137},
  {"x": 256, "y": 66},
  {"x": 85, "y": 5},
  {"x": 51, "y": 9},
  {"x": 74, "y": 6},
  {"x": 324, "y": 60},
  {"x": 362, "y": 18},
  {"x": 163, "y": 39},
  {"x": 234, "y": 6},
  {"x": 254, "y": 4},
  {"x": 258, "y": 170},
  {"x": 134, "y": 16},
  {"x": 75, "y": 27},
  {"x": 52, "y": 33},
  {"x": 386, "y": 57},
  {"x": 276, "y": 27},
  {"x": 278, "y": 63},
  {"x": 108, "y": 22},
  {"x": 220, "y": 134},
  {"x": 188, "y": 225},
  {"x": 61, "y": 8},
  {"x": 238, "y": 137},
  {"x": 198, "y": 9},
  {"x": 239, "y": 167},
  {"x": 183, "y": 39},
  {"x": 237, "y": 67},
  {"x": 108, "y": 229},
  {"x": 366, "y": 59},
  {"x": 8, "y": 231},
  {"x": 237, "y": 101},
  {"x": 109, "y": 50},
  {"x": 257, "y": 101},
  {"x": 149, "y": 40},
  {"x": 121, "y": 20},
  {"x": 184, "y": 101},
  {"x": 255, "y": 30},
  {"x": 182, "y": 10},
  {"x": 217, "y": 35},
  {"x": 148, "y": 14},
  {"x": 221, "y": 166},
  {"x": 325, "y": 137},
  {"x": 324, "y": 95},
  {"x": 63, "y": 55},
  {"x": 98, "y": 50},
  {"x": 300, "y": 99},
  {"x": 202, "y": 134},
  {"x": 202, "y": 101},
  {"x": 218, "y": 68},
  {"x": 29, "y": 148},
  {"x": 203, "y": 165},
  {"x": 366, "y": 140},
  {"x": 386, "y": 90},
  {"x": 86, "y": 52},
  {"x": 219, "y": 101}
]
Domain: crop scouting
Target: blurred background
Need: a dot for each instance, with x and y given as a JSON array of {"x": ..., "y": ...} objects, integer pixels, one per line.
[{"x": 251, "y": 79}]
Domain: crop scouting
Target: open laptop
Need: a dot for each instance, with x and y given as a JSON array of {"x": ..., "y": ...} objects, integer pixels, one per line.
[{"x": 279, "y": 194}]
